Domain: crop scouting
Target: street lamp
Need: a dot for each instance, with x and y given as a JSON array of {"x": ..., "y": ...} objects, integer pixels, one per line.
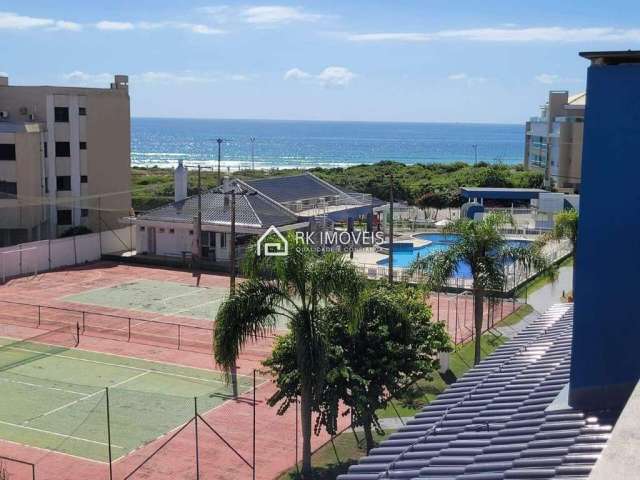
[
  {"x": 253, "y": 163},
  {"x": 219, "y": 140}
]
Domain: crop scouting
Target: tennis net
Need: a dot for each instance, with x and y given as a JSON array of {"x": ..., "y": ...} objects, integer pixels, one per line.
[{"x": 20, "y": 352}]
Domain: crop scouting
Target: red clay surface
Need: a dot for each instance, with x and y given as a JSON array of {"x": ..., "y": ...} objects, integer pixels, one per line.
[{"x": 275, "y": 438}]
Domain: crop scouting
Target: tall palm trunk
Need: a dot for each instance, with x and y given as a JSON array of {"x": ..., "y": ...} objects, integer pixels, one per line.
[
  {"x": 478, "y": 312},
  {"x": 305, "y": 421}
]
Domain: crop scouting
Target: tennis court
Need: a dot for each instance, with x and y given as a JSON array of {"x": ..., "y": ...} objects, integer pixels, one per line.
[
  {"x": 54, "y": 396},
  {"x": 162, "y": 297}
]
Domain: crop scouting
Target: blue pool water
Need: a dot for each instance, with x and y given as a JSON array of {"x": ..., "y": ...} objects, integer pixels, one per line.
[{"x": 405, "y": 254}]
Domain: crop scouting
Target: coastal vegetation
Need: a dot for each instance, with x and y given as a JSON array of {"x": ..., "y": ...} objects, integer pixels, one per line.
[{"x": 417, "y": 184}]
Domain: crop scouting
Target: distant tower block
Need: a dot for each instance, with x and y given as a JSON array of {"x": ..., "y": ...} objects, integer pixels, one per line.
[{"x": 180, "y": 178}]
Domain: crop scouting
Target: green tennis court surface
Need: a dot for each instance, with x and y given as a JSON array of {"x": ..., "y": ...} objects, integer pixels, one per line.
[
  {"x": 53, "y": 397},
  {"x": 166, "y": 298}
]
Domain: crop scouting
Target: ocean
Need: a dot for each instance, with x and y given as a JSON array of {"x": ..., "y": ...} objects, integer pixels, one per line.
[{"x": 307, "y": 144}]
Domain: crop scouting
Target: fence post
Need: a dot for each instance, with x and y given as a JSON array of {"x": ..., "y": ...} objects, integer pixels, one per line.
[
  {"x": 129, "y": 330},
  {"x": 195, "y": 417},
  {"x": 109, "y": 434},
  {"x": 254, "y": 424},
  {"x": 75, "y": 251},
  {"x": 39, "y": 315},
  {"x": 84, "y": 325},
  {"x": 179, "y": 336}
]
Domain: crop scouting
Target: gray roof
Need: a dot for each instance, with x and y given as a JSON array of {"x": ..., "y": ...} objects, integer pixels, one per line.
[
  {"x": 252, "y": 210},
  {"x": 493, "y": 423},
  {"x": 502, "y": 189},
  {"x": 294, "y": 187}
]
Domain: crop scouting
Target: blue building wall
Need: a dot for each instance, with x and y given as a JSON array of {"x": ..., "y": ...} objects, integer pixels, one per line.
[{"x": 606, "y": 338}]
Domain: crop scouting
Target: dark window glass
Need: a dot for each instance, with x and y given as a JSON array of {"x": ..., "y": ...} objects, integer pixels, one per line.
[
  {"x": 82, "y": 111},
  {"x": 8, "y": 189},
  {"x": 61, "y": 114},
  {"x": 83, "y": 179},
  {"x": 83, "y": 145},
  {"x": 7, "y": 151},
  {"x": 63, "y": 183},
  {"x": 84, "y": 212},
  {"x": 63, "y": 149},
  {"x": 64, "y": 217},
  {"x": 46, "y": 150}
]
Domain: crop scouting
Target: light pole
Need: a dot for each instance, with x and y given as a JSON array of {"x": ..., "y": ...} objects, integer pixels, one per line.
[
  {"x": 253, "y": 163},
  {"x": 219, "y": 140}
]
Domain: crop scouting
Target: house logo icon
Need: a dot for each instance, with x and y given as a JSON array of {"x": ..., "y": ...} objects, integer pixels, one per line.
[{"x": 279, "y": 248}]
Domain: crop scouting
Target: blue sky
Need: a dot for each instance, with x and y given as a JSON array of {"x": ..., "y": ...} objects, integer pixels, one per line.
[{"x": 422, "y": 60}]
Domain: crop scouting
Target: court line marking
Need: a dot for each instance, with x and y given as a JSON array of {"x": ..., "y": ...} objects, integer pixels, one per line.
[
  {"x": 157, "y": 362},
  {"x": 86, "y": 397},
  {"x": 54, "y": 452},
  {"x": 4, "y": 379},
  {"x": 178, "y": 375},
  {"x": 63, "y": 435}
]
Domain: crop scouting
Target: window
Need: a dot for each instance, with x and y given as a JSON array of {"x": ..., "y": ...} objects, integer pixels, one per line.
[
  {"x": 223, "y": 240},
  {"x": 61, "y": 114},
  {"x": 190, "y": 232},
  {"x": 7, "y": 151},
  {"x": 142, "y": 229},
  {"x": 84, "y": 212},
  {"x": 46, "y": 150},
  {"x": 8, "y": 189},
  {"x": 162, "y": 230},
  {"x": 82, "y": 111},
  {"x": 83, "y": 179},
  {"x": 64, "y": 217},
  {"x": 46, "y": 184},
  {"x": 63, "y": 183},
  {"x": 63, "y": 149},
  {"x": 171, "y": 230},
  {"x": 83, "y": 145}
]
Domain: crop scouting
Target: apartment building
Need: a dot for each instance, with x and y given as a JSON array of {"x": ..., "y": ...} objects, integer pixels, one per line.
[
  {"x": 64, "y": 159},
  {"x": 553, "y": 141}
]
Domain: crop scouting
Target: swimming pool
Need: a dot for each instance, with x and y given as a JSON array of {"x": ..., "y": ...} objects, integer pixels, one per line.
[{"x": 405, "y": 253}]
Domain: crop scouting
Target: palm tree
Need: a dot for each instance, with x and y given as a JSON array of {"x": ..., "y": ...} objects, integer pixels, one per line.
[
  {"x": 297, "y": 287},
  {"x": 565, "y": 227},
  {"x": 481, "y": 245}
]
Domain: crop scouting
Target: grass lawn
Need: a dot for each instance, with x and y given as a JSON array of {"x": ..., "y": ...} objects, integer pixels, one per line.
[
  {"x": 541, "y": 280},
  {"x": 326, "y": 465},
  {"x": 516, "y": 316}
]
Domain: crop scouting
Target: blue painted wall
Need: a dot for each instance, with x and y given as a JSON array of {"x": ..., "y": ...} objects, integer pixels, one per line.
[{"x": 606, "y": 339}]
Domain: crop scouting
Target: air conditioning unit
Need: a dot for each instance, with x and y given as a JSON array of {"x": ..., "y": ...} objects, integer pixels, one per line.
[{"x": 4, "y": 114}]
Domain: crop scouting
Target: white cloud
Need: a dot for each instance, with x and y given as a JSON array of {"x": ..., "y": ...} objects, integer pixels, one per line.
[
  {"x": 14, "y": 21},
  {"x": 297, "y": 74},
  {"x": 336, "y": 77},
  {"x": 78, "y": 77},
  {"x": 547, "y": 78},
  {"x": 469, "y": 80},
  {"x": 277, "y": 14},
  {"x": 329, "y": 77},
  {"x": 109, "y": 25},
  {"x": 65, "y": 25},
  {"x": 192, "y": 27},
  {"x": 512, "y": 35}
]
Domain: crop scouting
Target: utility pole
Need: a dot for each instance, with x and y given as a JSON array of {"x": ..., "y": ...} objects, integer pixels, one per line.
[
  {"x": 391, "y": 228},
  {"x": 219, "y": 140},
  {"x": 475, "y": 149},
  {"x": 232, "y": 246},
  {"x": 253, "y": 163}
]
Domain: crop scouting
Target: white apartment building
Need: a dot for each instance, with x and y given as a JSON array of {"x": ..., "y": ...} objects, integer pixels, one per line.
[
  {"x": 64, "y": 159},
  {"x": 553, "y": 141}
]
